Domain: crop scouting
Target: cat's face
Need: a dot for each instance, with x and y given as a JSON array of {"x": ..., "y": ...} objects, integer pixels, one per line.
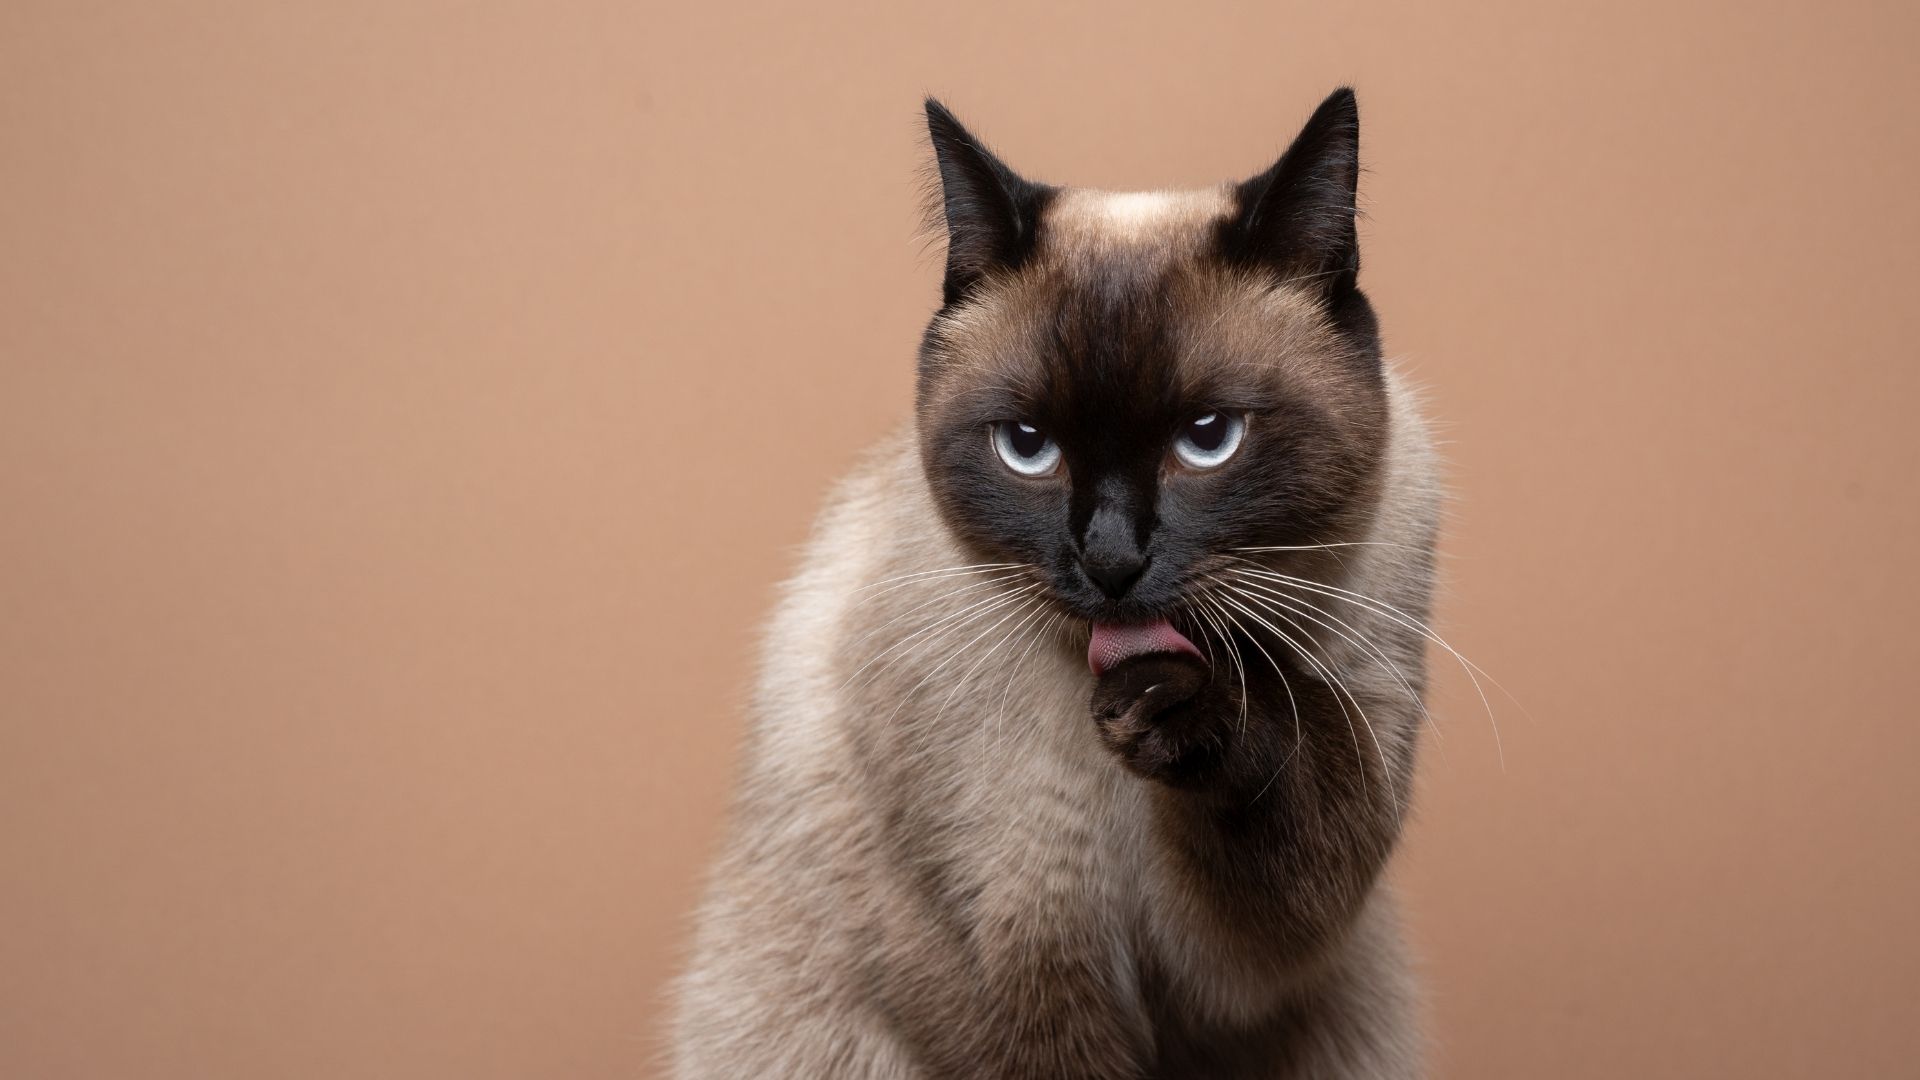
[{"x": 1125, "y": 391}]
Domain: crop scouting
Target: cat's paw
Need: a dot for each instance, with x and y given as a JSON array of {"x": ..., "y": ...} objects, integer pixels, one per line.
[{"x": 1157, "y": 714}]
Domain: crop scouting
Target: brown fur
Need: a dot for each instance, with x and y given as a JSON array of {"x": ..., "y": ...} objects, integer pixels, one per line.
[{"x": 941, "y": 865}]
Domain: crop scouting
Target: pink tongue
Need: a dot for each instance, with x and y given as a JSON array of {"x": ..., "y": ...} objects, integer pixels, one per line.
[{"x": 1114, "y": 643}]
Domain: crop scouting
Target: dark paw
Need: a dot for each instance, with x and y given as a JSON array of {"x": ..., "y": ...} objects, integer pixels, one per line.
[{"x": 1156, "y": 713}]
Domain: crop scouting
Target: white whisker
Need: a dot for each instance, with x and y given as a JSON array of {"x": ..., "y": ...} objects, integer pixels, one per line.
[
  {"x": 1326, "y": 546},
  {"x": 1033, "y": 608},
  {"x": 955, "y": 571},
  {"x": 946, "y": 596},
  {"x": 1025, "y": 594},
  {"x": 1293, "y": 705},
  {"x": 1334, "y": 681},
  {"x": 964, "y": 615},
  {"x": 1352, "y": 635},
  {"x": 1013, "y": 670},
  {"x": 1240, "y": 666},
  {"x": 1381, "y": 607}
]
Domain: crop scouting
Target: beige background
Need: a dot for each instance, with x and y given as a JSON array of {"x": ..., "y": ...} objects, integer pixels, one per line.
[{"x": 406, "y": 411}]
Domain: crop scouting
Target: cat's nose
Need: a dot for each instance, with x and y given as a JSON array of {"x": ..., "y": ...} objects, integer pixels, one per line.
[{"x": 1114, "y": 571}]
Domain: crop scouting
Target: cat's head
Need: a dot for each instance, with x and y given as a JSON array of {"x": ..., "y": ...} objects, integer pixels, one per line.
[{"x": 1125, "y": 390}]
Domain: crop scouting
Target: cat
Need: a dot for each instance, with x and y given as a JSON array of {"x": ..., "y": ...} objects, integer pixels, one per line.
[{"x": 1088, "y": 723}]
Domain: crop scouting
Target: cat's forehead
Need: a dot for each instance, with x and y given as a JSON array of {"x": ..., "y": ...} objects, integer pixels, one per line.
[
  {"x": 1083, "y": 228},
  {"x": 1097, "y": 253},
  {"x": 1126, "y": 280}
]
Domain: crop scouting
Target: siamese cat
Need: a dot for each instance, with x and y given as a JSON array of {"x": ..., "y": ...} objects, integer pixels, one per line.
[{"x": 1089, "y": 721}]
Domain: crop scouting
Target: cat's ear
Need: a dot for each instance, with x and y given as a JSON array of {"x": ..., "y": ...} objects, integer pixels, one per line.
[
  {"x": 1297, "y": 218},
  {"x": 991, "y": 213}
]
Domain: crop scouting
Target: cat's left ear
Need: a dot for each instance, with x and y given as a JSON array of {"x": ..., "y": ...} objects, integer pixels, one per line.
[
  {"x": 992, "y": 214},
  {"x": 1297, "y": 218}
]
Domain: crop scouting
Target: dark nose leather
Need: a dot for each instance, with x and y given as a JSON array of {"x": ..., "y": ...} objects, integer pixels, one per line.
[
  {"x": 1114, "y": 571},
  {"x": 1111, "y": 551}
]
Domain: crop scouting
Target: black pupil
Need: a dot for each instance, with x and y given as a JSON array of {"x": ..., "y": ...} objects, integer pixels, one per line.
[
  {"x": 1208, "y": 432},
  {"x": 1026, "y": 441}
]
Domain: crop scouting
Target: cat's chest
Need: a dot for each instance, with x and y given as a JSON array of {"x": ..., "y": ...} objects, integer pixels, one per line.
[{"x": 1055, "y": 828}]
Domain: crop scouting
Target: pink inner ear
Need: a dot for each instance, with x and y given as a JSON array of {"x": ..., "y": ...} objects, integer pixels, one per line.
[{"x": 1116, "y": 643}]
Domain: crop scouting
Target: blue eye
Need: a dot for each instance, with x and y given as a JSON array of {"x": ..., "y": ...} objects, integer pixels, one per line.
[
  {"x": 1026, "y": 449},
  {"x": 1206, "y": 442}
]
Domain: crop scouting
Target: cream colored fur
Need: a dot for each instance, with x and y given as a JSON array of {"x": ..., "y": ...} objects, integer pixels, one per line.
[{"x": 1026, "y": 838}]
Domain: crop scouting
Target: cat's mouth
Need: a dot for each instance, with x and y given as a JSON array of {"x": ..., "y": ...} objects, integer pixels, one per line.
[{"x": 1113, "y": 644}]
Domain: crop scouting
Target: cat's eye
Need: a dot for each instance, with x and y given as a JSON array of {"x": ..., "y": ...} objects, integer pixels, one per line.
[
  {"x": 1026, "y": 449},
  {"x": 1207, "y": 441}
]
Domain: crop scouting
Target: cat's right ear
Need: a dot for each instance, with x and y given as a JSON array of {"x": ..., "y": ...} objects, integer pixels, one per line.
[{"x": 991, "y": 212}]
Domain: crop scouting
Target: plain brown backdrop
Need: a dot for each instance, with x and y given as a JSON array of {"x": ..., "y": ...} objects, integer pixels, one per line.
[{"x": 406, "y": 411}]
